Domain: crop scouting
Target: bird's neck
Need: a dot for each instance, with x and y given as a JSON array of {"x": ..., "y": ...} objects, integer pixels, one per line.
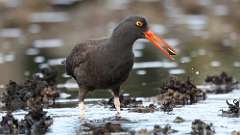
[{"x": 122, "y": 43}]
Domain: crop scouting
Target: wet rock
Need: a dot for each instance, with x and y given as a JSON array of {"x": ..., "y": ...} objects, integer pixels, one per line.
[
  {"x": 167, "y": 129},
  {"x": 108, "y": 128},
  {"x": 11, "y": 97},
  {"x": 140, "y": 132},
  {"x": 157, "y": 130},
  {"x": 167, "y": 105},
  {"x": 148, "y": 109},
  {"x": 113, "y": 119},
  {"x": 178, "y": 120},
  {"x": 49, "y": 75},
  {"x": 201, "y": 128},
  {"x": 35, "y": 122},
  {"x": 233, "y": 109},
  {"x": 9, "y": 125},
  {"x": 103, "y": 128},
  {"x": 49, "y": 93},
  {"x": 222, "y": 83},
  {"x": 17, "y": 96},
  {"x": 176, "y": 92},
  {"x": 235, "y": 132},
  {"x": 41, "y": 88},
  {"x": 126, "y": 101}
]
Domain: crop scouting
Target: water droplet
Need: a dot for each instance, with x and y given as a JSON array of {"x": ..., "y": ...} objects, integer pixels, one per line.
[{"x": 197, "y": 72}]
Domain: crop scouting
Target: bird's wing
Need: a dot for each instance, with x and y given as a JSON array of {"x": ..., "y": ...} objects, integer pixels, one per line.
[{"x": 79, "y": 54}]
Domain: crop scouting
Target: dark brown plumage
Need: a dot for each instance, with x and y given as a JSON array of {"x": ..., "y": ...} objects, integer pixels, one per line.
[{"x": 106, "y": 63}]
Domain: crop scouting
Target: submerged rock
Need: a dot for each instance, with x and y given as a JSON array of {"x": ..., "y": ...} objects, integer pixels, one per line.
[
  {"x": 157, "y": 130},
  {"x": 222, "y": 83},
  {"x": 166, "y": 130},
  {"x": 178, "y": 120},
  {"x": 201, "y": 128},
  {"x": 102, "y": 129},
  {"x": 145, "y": 109},
  {"x": 176, "y": 92},
  {"x": 233, "y": 109},
  {"x": 235, "y": 132}
]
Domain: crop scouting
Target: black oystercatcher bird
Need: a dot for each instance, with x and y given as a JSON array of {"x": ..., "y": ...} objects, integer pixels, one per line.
[{"x": 106, "y": 63}]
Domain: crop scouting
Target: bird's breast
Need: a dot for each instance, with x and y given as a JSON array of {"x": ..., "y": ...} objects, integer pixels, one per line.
[{"x": 112, "y": 70}]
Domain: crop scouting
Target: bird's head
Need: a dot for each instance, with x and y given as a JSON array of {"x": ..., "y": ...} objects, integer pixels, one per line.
[{"x": 136, "y": 27}]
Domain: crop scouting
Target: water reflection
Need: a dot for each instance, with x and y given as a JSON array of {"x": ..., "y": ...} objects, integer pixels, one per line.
[
  {"x": 215, "y": 64},
  {"x": 32, "y": 51},
  {"x": 176, "y": 71},
  {"x": 47, "y": 43},
  {"x": 63, "y": 2},
  {"x": 48, "y": 17},
  {"x": 7, "y": 57},
  {"x": 10, "y": 33},
  {"x": 154, "y": 64}
]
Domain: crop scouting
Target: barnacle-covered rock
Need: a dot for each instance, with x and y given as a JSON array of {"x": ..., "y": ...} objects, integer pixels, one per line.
[
  {"x": 222, "y": 83},
  {"x": 176, "y": 92},
  {"x": 40, "y": 87},
  {"x": 145, "y": 109},
  {"x": 201, "y": 128}
]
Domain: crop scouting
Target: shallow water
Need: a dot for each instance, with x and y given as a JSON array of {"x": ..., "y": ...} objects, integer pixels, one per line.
[{"x": 66, "y": 119}]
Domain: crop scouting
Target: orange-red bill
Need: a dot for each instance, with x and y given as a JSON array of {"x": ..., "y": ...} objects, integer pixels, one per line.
[{"x": 166, "y": 49}]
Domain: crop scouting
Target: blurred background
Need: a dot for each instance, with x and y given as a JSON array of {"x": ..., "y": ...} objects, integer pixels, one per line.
[{"x": 40, "y": 33}]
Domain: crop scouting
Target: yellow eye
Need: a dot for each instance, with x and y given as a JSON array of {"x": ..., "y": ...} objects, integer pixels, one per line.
[{"x": 139, "y": 23}]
